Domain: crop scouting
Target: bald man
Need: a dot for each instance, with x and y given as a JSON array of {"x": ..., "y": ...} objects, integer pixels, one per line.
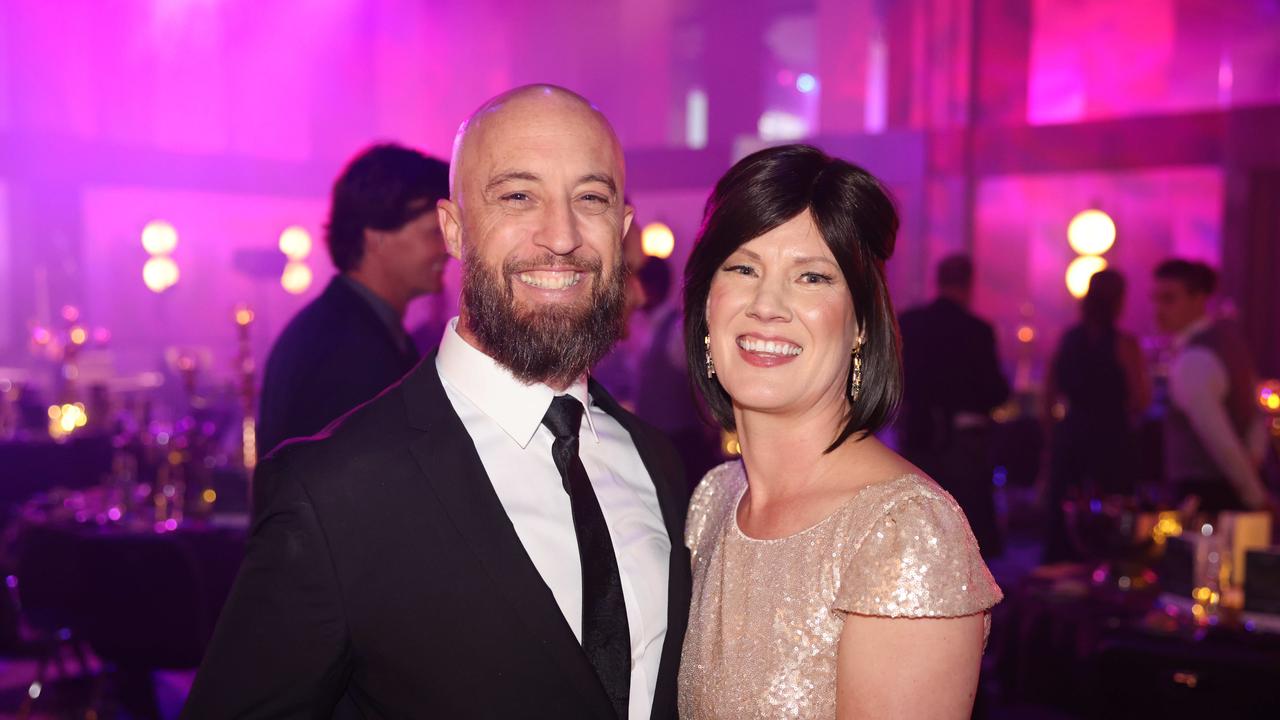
[{"x": 494, "y": 536}]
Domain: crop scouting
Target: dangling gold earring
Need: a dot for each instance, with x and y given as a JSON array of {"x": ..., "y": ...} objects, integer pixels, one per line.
[
  {"x": 855, "y": 380},
  {"x": 711, "y": 368}
]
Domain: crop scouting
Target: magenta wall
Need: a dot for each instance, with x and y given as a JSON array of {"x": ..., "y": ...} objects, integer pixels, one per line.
[{"x": 230, "y": 118}]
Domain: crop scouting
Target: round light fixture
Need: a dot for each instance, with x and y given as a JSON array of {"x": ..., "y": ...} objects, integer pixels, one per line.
[
  {"x": 1080, "y": 271},
  {"x": 1091, "y": 232},
  {"x": 160, "y": 273},
  {"x": 296, "y": 277},
  {"x": 657, "y": 240},
  {"x": 295, "y": 243},
  {"x": 159, "y": 237}
]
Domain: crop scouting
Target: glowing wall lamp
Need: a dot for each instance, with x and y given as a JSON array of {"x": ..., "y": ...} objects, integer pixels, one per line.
[
  {"x": 1080, "y": 271},
  {"x": 160, "y": 273},
  {"x": 295, "y": 243},
  {"x": 159, "y": 239},
  {"x": 296, "y": 277},
  {"x": 657, "y": 240},
  {"x": 1091, "y": 233}
]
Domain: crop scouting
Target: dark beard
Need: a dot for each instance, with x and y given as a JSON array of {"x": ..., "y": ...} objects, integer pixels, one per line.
[{"x": 552, "y": 344}]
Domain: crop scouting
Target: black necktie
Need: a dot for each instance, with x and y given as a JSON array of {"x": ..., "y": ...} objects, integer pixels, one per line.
[{"x": 605, "y": 636}]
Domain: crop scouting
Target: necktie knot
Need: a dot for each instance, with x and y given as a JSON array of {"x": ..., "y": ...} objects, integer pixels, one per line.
[{"x": 563, "y": 418}]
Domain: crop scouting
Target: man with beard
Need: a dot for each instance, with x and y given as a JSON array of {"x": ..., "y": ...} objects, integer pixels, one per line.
[{"x": 493, "y": 536}]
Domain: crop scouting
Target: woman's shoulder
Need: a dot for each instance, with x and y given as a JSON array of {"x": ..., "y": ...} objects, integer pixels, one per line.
[
  {"x": 911, "y": 553},
  {"x": 713, "y": 500}
]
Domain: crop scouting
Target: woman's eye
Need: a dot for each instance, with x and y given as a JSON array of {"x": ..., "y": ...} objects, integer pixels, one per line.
[
  {"x": 740, "y": 270},
  {"x": 814, "y": 278}
]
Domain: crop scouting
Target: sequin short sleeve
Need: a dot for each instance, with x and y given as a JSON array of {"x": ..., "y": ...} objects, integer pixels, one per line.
[
  {"x": 919, "y": 559},
  {"x": 711, "y": 502}
]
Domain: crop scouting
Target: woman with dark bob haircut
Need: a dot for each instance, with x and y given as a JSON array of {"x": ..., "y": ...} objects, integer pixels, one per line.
[{"x": 831, "y": 578}]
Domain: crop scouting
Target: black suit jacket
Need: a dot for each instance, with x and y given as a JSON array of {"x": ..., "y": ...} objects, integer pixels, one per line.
[
  {"x": 333, "y": 355},
  {"x": 383, "y": 565},
  {"x": 949, "y": 365}
]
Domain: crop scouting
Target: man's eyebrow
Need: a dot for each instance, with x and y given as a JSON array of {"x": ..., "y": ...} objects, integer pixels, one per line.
[
  {"x": 601, "y": 178},
  {"x": 497, "y": 180}
]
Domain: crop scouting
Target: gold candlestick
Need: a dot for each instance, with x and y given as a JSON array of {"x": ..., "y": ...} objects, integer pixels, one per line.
[{"x": 248, "y": 395}]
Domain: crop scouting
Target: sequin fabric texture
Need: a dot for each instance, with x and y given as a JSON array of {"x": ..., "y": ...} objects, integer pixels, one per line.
[{"x": 767, "y": 614}]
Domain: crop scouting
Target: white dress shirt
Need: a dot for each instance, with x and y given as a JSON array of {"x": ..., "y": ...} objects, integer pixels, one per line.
[
  {"x": 1198, "y": 385},
  {"x": 503, "y": 416}
]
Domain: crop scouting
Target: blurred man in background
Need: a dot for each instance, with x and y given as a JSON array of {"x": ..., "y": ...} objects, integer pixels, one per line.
[
  {"x": 619, "y": 370},
  {"x": 1215, "y": 436},
  {"x": 349, "y": 344},
  {"x": 952, "y": 383}
]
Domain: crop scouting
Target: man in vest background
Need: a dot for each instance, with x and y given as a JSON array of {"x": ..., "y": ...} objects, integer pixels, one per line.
[{"x": 1215, "y": 436}]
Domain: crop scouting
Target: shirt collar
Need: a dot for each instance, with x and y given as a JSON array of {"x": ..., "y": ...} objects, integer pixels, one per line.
[
  {"x": 381, "y": 308},
  {"x": 517, "y": 407},
  {"x": 1181, "y": 339}
]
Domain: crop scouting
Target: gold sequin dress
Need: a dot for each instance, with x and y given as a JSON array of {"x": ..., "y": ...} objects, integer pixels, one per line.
[{"x": 767, "y": 614}]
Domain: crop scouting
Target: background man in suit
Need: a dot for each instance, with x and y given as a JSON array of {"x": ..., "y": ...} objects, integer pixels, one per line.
[
  {"x": 350, "y": 344},
  {"x": 466, "y": 544},
  {"x": 952, "y": 383}
]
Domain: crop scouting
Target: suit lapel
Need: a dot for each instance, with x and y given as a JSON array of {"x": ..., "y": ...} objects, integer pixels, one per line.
[
  {"x": 449, "y": 460},
  {"x": 669, "y": 483}
]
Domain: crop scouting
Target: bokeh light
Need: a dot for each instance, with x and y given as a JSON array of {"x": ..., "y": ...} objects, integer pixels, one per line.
[
  {"x": 160, "y": 274},
  {"x": 66, "y": 419},
  {"x": 1080, "y": 271},
  {"x": 1269, "y": 396},
  {"x": 159, "y": 237},
  {"x": 295, "y": 243},
  {"x": 79, "y": 335},
  {"x": 244, "y": 315},
  {"x": 806, "y": 83},
  {"x": 1026, "y": 334},
  {"x": 296, "y": 277},
  {"x": 1091, "y": 232},
  {"x": 657, "y": 240}
]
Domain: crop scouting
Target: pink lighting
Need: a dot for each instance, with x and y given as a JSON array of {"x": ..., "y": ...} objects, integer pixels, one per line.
[{"x": 166, "y": 169}]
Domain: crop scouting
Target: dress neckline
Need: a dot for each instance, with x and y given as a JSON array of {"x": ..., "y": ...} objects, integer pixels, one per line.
[{"x": 737, "y": 501}]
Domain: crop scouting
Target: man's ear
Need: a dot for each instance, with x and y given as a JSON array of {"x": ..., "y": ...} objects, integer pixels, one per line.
[
  {"x": 628, "y": 215},
  {"x": 450, "y": 216},
  {"x": 373, "y": 240}
]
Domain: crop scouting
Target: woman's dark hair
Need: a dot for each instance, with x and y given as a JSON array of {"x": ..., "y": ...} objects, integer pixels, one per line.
[
  {"x": 385, "y": 187},
  {"x": 1105, "y": 299},
  {"x": 857, "y": 220}
]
